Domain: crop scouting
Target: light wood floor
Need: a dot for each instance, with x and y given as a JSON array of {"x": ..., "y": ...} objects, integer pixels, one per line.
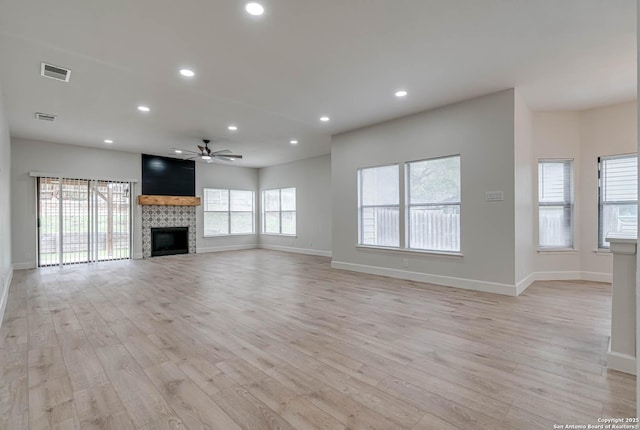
[{"x": 267, "y": 340}]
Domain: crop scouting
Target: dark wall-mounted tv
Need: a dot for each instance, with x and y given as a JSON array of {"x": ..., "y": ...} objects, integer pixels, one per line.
[{"x": 164, "y": 176}]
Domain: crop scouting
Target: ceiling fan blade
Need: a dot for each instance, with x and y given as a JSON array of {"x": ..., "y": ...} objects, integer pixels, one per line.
[
  {"x": 201, "y": 148},
  {"x": 228, "y": 157},
  {"x": 185, "y": 151},
  {"x": 223, "y": 151}
]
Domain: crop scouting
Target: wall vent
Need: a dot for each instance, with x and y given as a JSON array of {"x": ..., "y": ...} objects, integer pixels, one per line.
[
  {"x": 45, "y": 116},
  {"x": 55, "y": 72}
]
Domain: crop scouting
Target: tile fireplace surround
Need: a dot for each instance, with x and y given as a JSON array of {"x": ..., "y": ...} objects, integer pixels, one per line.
[{"x": 167, "y": 216}]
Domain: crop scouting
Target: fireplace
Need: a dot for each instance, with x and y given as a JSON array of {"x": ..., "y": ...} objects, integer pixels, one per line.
[{"x": 169, "y": 241}]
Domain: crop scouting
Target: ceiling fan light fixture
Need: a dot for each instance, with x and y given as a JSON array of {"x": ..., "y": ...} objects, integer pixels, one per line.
[{"x": 206, "y": 157}]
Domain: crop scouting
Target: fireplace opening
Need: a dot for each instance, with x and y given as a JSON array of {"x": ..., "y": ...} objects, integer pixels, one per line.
[{"x": 169, "y": 241}]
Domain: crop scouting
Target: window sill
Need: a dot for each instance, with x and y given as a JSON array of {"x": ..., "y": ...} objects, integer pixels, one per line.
[
  {"x": 279, "y": 234},
  {"x": 552, "y": 251},
  {"x": 410, "y": 251},
  {"x": 227, "y": 235}
]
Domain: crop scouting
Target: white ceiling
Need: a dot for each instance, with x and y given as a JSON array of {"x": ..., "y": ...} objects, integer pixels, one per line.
[{"x": 275, "y": 75}]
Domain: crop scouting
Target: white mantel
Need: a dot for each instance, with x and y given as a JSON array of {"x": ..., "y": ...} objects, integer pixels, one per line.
[{"x": 622, "y": 349}]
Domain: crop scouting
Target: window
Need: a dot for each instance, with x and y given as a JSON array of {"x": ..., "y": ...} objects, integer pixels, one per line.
[
  {"x": 379, "y": 206},
  {"x": 279, "y": 211},
  {"x": 555, "y": 204},
  {"x": 617, "y": 196},
  {"x": 228, "y": 212},
  {"x": 433, "y": 204}
]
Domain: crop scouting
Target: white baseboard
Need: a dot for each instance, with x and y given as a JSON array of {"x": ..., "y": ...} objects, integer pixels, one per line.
[
  {"x": 596, "y": 277},
  {"x": 5, "y": 293},
  {"x": 524, "y": 283},
  {"x": 467, "y": 284},
  {"x": 24, "y": 265},
  {"x": 297, "y": 250},
  {"x": 621, "y": 362},
  {"x": 226, "y": 248},
  {"x": 572, "y": 276}
]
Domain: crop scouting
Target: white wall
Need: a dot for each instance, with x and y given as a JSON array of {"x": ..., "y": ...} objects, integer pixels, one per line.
[
  {"x": 68, "y": 161},
  {"x": 226, "y": 177},
  {"x": 524, "y": 192},
  {"x": 583, "y": 136},
  {"x": 609, "y": 130},
  {"x": 312, "y": 179},
  {"x": 6, "y": 270},
  {"x": 557, "y": 135},
  {"x": 481, "y": 130}
]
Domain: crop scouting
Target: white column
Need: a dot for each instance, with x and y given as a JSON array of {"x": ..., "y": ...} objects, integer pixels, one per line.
[{"x": 622, "y": 349}]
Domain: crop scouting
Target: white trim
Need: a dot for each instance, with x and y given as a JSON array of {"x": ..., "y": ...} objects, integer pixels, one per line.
[
  {"x": 467, "y": 284},
  {"x": 279, "y": 234},
  {"x": 5, "y": 293},
  {"x": 24, "y": 265},
  {"x": 226, "y": 248},
  {"x": 97, "y": 178},
  {"x": 391, "y": 249},
  {"x": 571, "y": 276},
  {"x": 596, "y": 277},
  {"x": 296, "y": 250},
  {"x": 553, "y": 251},
  {"x": 621, "y": 362},
  {"x": 525, "y": 283}
]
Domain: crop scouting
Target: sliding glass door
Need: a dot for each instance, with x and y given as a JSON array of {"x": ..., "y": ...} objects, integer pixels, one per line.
[{"x": 81, "y": 221}]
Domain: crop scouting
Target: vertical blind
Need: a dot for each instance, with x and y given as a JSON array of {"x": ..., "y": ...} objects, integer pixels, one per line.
[{"x": 82, "y": 221}]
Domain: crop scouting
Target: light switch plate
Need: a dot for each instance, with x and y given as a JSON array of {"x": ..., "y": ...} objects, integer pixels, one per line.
[{"x": 494, "y": 196}]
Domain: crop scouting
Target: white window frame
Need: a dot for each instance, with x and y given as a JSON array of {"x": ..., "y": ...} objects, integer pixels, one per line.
[
  {"x": 410, "y": 204},
  {"x": 229, "y": 212},
  {"x": 362, "y": 206},
  {"x": 567, "y": 204},
  {"x": 601, "y": 204},
  {"x": 279, "y": 212}
]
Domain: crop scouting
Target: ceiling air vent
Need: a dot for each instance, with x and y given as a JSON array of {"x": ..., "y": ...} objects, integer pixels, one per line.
[
  {"x": 45, "y": 116},
  {"x": 55, "y": 72}
]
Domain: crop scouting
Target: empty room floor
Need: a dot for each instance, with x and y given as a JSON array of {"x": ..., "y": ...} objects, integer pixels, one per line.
[{"x": 262, "y": 339}]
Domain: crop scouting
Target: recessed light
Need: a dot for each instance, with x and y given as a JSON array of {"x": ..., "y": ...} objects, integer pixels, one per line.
[
  {"x": 232, "y": 128},
  {"x": 254, "y": 8},
  {"x": 401, "y": 93},
  {"x": 324, "y": 118},
  {"x": 206, "y": 157},
  {"x": 293, "y": 142},
  {"x": 177, "y": 151},
  {"x": 143, "y": 109},
  {"x": 108, "y": 141},
  {"x": 188, "y": 73}
]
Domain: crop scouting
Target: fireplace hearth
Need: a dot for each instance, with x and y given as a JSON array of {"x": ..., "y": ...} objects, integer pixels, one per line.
[{"x": 169, "y": 241}]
